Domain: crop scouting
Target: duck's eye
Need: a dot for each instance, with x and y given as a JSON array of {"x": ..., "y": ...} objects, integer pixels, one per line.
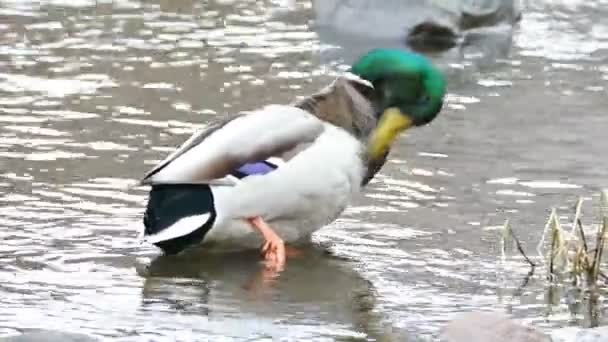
[{"x": 425, "y": 98}]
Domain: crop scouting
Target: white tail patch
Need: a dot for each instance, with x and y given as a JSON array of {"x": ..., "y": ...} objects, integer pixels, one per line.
[{"x": 180, "y": 228}]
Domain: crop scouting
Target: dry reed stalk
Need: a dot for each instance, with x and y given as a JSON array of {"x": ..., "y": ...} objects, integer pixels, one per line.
[
  {"x": 570, "y": 252},
  {"x": 594, "y": 271},
  {"x": 508, "y": 233},
  {"x": 539, "y": 247},
  {"x": 558, "y": 254},
  {"x": 577, "y": 215}
]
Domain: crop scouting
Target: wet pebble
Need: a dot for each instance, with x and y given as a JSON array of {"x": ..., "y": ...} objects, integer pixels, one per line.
[
  {"x": 574, "y": 334},
  {"x": 489, "y": 326},
  {"x": 48, "y": 336}
]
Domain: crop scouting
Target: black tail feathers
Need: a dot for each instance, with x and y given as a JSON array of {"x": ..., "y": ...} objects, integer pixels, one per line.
[{"x": 170, "y": 203}]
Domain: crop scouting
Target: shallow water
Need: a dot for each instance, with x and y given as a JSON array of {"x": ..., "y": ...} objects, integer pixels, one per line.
[{"x": 93, "y": 93}]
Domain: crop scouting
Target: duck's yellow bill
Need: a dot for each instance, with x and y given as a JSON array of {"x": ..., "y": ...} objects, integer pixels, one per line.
[{"x": 392, "y": 122}]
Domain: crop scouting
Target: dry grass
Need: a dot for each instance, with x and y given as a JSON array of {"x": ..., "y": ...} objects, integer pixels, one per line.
[
  {"x": 572, "y": 257},
  {"x": 569, "y": 252}
]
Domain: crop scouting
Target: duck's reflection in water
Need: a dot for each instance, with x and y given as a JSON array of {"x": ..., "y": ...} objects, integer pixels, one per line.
[{"x": 316, "y": 289}]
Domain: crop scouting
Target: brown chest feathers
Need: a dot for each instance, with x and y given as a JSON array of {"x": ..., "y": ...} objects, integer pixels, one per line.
[
  {"x": 348, "y": 104},
  {"x": 345, "y": 103}
]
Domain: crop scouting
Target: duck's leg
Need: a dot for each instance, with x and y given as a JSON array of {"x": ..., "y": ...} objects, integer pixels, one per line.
[
  {"x": 292, "y": 252},
  {"x": 274, "y": 247}
]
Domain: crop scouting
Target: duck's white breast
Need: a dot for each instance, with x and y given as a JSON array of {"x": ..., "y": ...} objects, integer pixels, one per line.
[{"x": 301, "y": 196}]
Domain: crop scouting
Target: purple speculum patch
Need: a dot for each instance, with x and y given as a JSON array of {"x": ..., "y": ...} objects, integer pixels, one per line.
[{"x": 259, "y": 168}]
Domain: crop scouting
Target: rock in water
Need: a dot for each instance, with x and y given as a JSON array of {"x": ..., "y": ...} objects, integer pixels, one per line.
[
  {"x": 576, "y": 334},
  {"x": 454, "y": 28},
  {"x": 394, "y": 19},
  {"x": 41, "y": 335},
  {"x": 489, "y": 327}
]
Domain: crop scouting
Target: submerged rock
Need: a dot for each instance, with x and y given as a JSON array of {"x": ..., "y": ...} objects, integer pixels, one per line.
[
  {"x": 490, "y": 327},
  {"x": 574, "y": 334},
  {"x": 41, "y": 335},
  {"x": 422, "y": 24}
]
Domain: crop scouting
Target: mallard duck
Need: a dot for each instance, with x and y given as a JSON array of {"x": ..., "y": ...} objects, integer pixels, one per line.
[{"x": 279, "y": 173}]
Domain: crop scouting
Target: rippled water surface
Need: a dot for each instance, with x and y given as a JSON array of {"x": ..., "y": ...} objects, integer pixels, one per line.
[{"x": 93, "y": 93}]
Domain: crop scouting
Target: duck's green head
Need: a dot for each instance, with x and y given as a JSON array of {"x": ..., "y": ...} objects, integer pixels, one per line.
[{"x": 409, "y": 92}]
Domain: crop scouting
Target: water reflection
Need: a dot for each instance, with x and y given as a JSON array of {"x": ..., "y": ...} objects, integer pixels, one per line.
[{"x": 316, "y": 288}]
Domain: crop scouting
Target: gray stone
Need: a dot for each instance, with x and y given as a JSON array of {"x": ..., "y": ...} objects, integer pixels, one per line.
[
  {"x": 398, "y": 18},
  {"x": 41, "y": 335},
  {"x": 575, "y": 334},
  {"x": 490, "y": 327}
]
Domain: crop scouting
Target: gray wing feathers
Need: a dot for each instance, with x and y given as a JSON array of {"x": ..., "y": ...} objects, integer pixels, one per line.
[
  {"x": 219, "y": 150},
  {"x": 193, "y": 141}
]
